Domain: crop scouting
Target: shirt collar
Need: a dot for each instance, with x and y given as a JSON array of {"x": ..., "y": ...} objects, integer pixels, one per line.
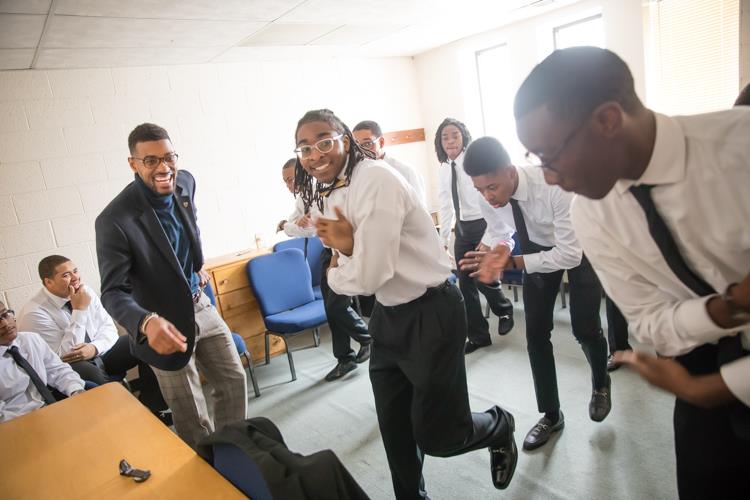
[
  {"x": 57, "y": 301},
  {"x": 522, "y": 190},
  {"x": 668, "y": 162},
  {"x": 459, "y": 160}
]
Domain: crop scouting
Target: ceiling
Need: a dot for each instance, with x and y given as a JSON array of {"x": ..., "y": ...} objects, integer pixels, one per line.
[{"x": 44, "y": 34}]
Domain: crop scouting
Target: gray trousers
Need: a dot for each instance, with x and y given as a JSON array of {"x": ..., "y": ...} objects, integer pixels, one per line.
[{"x": 216, "y": 357}]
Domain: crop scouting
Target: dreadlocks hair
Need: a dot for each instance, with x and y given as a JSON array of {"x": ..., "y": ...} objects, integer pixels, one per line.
[
  {"x": 303, "y": 182},
  {"x": 465, "y": 135}
]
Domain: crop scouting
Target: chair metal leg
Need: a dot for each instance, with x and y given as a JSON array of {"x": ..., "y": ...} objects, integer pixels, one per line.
[
  {"x": 316, "y": 337},
  {"x": 289, "y": 356},
  {"x": 268, "y": 349},
  {"x": 250, "y": 370},
  {"x": 515, "y": 294}
]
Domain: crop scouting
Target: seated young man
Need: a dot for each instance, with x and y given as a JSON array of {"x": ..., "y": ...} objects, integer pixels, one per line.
[
  {"x": 27, "y": 367},
  {"x": 69, "y": 316}
]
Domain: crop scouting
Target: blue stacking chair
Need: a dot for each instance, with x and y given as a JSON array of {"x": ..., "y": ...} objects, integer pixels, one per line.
[
  {"x": 282, "y": 285},
  {"x": 240, "y": 470},
  {"x": 312, "y": 247},
  {"x": 239, "y": 343}
]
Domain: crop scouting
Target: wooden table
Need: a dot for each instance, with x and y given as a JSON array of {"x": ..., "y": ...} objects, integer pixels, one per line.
[{"x": 72, "y": 449}]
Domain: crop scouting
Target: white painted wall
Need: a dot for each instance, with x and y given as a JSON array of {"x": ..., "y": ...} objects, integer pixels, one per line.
[
  {"x": 447, "y": 76},
  {"x": 63, "y": 146}
]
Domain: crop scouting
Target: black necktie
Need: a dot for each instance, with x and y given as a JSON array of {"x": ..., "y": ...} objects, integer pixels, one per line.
[
  {"x": 33, "y": 375},
  {"x": 69, "y": 307},
  {"x": 523, "y": 233},
  {"x": 730, "y": 348},
  {"x": 454, "y": 192}
]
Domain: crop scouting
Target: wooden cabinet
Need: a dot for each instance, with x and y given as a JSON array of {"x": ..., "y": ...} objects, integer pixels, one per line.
[{"x": 236, "y": 303}]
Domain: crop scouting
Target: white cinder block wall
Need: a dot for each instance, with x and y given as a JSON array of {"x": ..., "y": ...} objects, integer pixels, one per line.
[{"x": 63, "y": 146}]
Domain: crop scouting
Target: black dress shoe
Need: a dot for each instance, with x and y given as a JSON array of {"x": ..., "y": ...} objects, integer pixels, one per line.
[
  {"x": 363, "y": 354},
  {"x": 503, "y": 459},
  {"x": 612, "y": 365},
  {"x": 601, "y": 402},
  {"x": 505, "y": 324},
  {"x": 341, "y": 369},
  {"x": 541, "y": 432},
  {"x": 471, "y": 346}
]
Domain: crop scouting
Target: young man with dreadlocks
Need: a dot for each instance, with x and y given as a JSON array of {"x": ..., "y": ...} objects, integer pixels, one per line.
[
  {"x": 387, "y": 246},
  {"x": 457, "y": 195},
  {"x": 343, "y": 320},
  {"x": 299, "y": 224}
]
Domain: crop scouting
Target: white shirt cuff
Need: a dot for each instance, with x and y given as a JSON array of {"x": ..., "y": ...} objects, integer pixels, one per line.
[
  {"x": 737, "y": 377},
  {"x": 693, "y": 322}
]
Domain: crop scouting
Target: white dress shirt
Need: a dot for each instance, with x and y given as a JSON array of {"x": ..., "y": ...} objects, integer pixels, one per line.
[
  {"x": 468, "y": 197},
  {"x": 413, "y": 177},
  {"x": 397, "y": 252},
  {"x": 45, "y": 314},
  {"x": 18, "y": 394},
  {"x": 291, "y": 228},
  {"x": 546, "y": 212},
  {"x": 700, "y": 167}
]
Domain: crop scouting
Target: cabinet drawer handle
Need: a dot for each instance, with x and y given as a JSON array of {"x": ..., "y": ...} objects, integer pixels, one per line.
[{"x": 223, "y": 282}]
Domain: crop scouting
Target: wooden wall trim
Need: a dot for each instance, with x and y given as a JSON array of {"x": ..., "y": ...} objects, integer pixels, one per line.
[{"x": 404, "y": 136}]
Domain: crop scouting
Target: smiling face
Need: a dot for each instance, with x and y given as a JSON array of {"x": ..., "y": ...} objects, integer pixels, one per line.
[
  {"x": 367, "y": 140},
  {"x": 8, "y": 330},
  {"x": 66, "y": 275},
  {"x": 162, "y": 178},
  {"x": 324, "y": 167}
]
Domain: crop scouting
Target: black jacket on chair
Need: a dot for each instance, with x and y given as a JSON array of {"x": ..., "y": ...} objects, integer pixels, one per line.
[
  {"x": 140, "y": 272},
  {"x": 288, "y": 475}
]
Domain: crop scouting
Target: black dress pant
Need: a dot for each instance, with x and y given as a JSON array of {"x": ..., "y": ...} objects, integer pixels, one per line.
[
  {"x": 539, "y": 294},
  {"x": 419, "y": 383},
  {"x": 115, "y": 363},
  {"x": 617, "y": 328},
  {"x": 468, "y": 236},
  {"x": 343, "y": 320}
]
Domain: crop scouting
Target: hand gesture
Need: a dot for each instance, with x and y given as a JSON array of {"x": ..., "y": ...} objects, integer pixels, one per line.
[
  {"x": 337, "y": 234},
  {"x": 203, "y": 278},
  {"x": 80, "y": 352},
  {"x": 164, "y": 337},
  {"x": 80, "y": 298},
  {"x": 305, "y": 221}
]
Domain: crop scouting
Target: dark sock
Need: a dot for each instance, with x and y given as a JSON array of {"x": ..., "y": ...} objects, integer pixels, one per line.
[{"x": 553, "y": 416}]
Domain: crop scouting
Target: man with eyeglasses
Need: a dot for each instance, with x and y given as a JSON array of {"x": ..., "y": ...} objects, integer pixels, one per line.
[
  {"x": 369, "y": 136},
  {"x": 28, "y": 368},
  {"x": 549, "y": 247},
  {"x": 663, "y": 216},
  {"x": 150, "y": 260}
]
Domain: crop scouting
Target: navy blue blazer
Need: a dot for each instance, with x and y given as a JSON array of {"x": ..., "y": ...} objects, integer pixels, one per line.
[{"x": 140, "y": 272}]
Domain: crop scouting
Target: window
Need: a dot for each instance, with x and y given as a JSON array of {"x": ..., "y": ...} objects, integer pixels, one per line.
[
  {"x": 586, "y": 31},
  {"x": 692, "y": 55},
  {"x": 496, "y": 95}
]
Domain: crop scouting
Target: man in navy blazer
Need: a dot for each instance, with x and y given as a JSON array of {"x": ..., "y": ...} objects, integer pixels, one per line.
[{"x": 150, "y": 261}]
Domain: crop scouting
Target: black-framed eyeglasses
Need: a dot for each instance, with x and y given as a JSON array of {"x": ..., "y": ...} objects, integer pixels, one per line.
[
  {"x": 151, "y": 162},
  {"x": 323, "y": 145},
  {"x": 546, "y": 161},
  {"x": 7, "y": 314},
  {"x": 369, "y": 143}
]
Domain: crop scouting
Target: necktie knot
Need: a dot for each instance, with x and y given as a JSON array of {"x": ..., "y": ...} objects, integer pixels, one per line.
[
  {"x": 68, "y": 307},
  {"x": 33, "y": 375}
]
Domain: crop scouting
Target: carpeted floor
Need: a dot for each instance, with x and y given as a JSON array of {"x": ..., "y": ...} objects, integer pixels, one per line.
[{"x": 628, "y": 456}]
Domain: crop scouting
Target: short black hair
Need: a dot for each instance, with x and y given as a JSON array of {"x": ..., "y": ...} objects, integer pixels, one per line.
[
  {"x": 466, "y": 136},
  {"x": 485, "y": 156},
  {"x": 290, "y": 163},
  {"x": 48, "y": 265},
  {"x": 744, "y": 98},
  {"x": 572, "y": 82},
  {"x": 146, "y": 132},
  {"x": 369, "y": 125}
]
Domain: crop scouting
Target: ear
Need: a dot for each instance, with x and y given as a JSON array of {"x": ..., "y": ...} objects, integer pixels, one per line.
[
  {"x": 381, "y": 141},
  {"x": 608, "y": 118},
  {"x": 131, "y": 162},
  {"x": 346, "y": 143}
]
